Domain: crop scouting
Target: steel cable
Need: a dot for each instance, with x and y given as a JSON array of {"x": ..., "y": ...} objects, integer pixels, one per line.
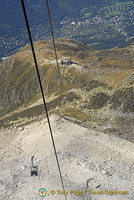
[
  {"x": 54, "y": 45},
  {"x": 42, "y": 92}
]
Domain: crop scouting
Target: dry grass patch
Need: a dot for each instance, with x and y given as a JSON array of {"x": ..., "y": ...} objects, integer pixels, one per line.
[
  {"x": 74, "y": 113},
  {"x": 117, "y": 78}
]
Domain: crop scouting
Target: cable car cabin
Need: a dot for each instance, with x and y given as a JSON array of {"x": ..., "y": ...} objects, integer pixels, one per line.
[
  {"x": 66, "y": 61},
  {"x": 33, "y": 169}
]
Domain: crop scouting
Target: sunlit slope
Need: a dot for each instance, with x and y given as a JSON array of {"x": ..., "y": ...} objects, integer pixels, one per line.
[
  {"x": 100, "y": 93},
  {"x": 18, "y": 80}
]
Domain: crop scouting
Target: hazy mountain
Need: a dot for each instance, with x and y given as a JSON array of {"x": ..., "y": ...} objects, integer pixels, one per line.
[
  {"x": 102, "y": 24},
  {"x": 11, "y": 11}
]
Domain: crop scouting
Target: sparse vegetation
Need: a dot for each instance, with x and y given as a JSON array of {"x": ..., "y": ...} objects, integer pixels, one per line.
[
  {"x": 87, "y": 93},
  {"x": 98, "y": 101}
]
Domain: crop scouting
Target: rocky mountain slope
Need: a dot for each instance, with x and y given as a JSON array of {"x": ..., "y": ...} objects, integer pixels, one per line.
[
  {"x": 89, "y": 160},
  {"x": 91, "y": 122},
  {"x": 97, "y": 88}
]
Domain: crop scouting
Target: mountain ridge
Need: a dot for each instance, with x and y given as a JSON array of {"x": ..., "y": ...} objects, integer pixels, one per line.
[{"x": 92, "y": 95}]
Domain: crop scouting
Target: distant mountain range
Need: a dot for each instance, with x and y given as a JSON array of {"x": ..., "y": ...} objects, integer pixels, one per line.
[{"x": 100, "y": 23}]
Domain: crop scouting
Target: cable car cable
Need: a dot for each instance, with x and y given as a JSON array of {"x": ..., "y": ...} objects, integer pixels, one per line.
[
  {"x": 54, "y": 45},
  {"x": 42, "y": 92}
]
